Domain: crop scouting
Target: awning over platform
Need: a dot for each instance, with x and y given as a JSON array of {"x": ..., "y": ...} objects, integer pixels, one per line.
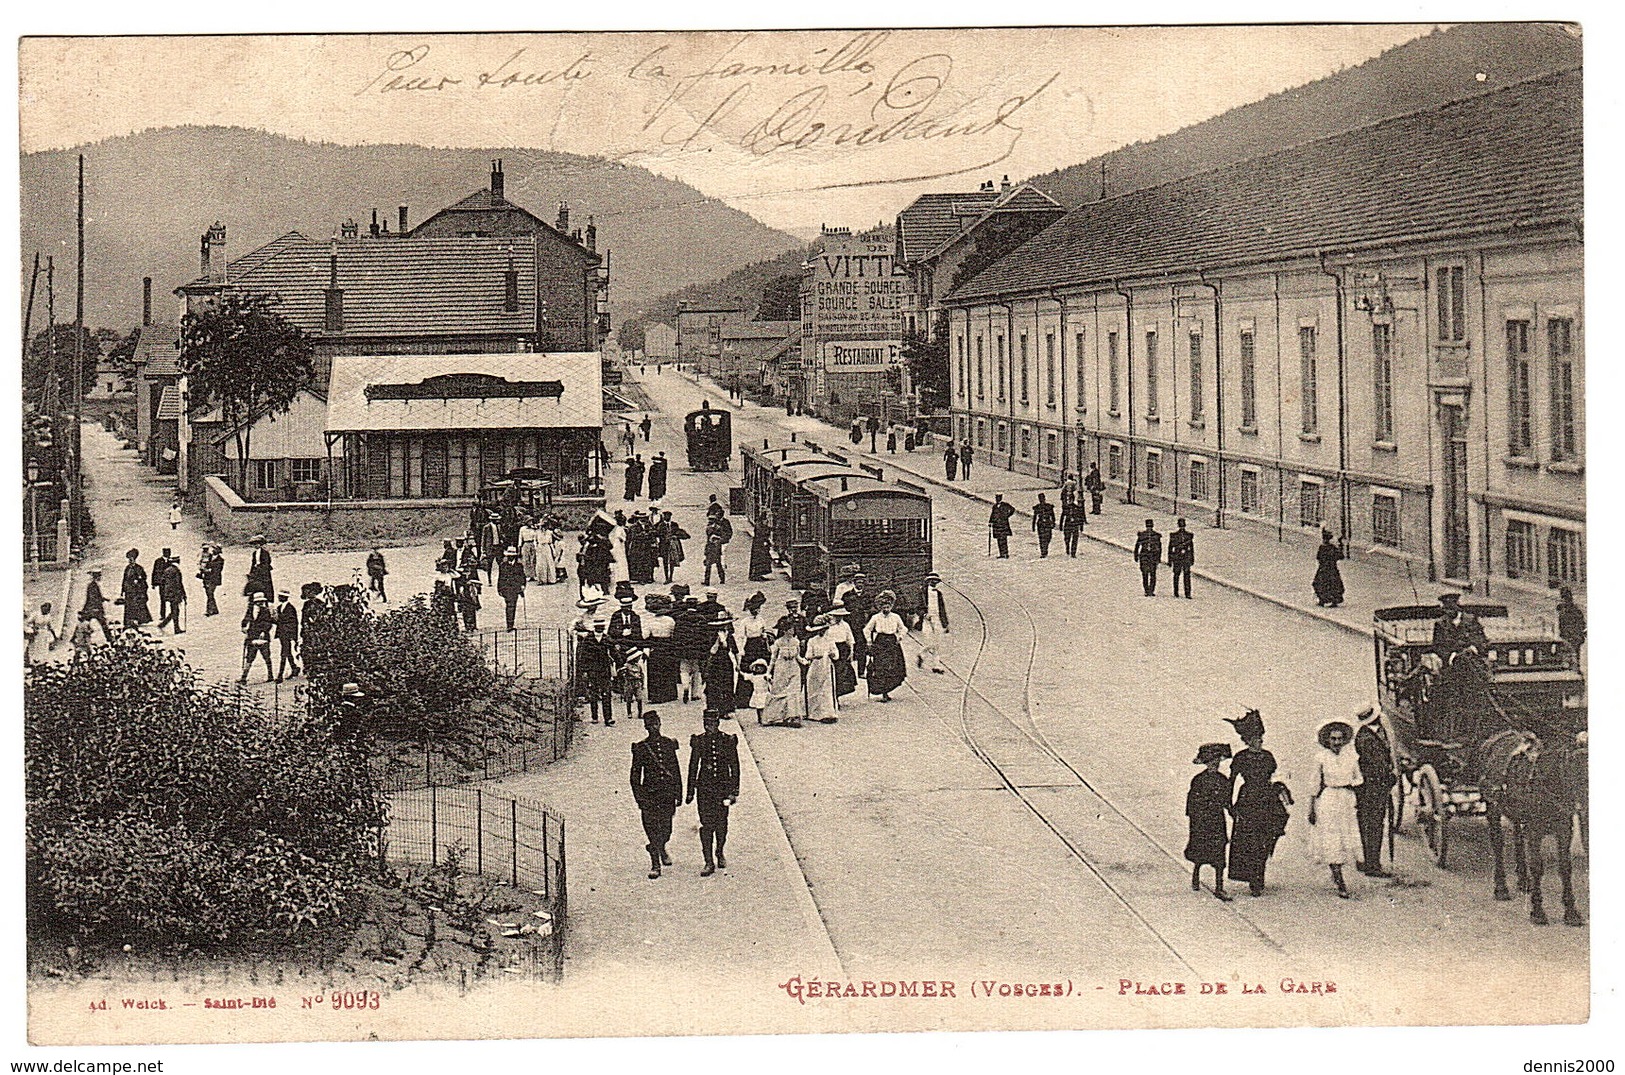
[{"x": 425, "y": 393}]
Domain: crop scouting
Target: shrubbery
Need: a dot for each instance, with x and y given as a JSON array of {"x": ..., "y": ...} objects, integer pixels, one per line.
[{"x": 162, "y": 811}]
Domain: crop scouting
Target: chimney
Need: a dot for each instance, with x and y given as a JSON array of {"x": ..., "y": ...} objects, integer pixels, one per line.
[
  {"x": 1004, "y": 185},
  {"x": 375, "y": 223},
  {"x": 349, "y": 229},
  {"x": 592, "y": 235},
  {"x": 510, "y": 288},
  {"x": 402, "y": 228},
  {"x": 146, "y": 300},
  {"x": 564, "y": 217},
  {"x": 216, "y": 256},
  {"x": 496, "y": 181},
  {"x": 333, "y": 293},
  {"x": 203, "y": 255}
]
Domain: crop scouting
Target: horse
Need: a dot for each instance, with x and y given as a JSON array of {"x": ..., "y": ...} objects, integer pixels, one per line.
[{"x": 1536, "y": 784}]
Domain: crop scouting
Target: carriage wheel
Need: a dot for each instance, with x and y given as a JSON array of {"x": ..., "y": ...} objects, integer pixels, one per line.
[
  {"x": 1397, "y": 796},
  {"x": 1432, "y": 816}
]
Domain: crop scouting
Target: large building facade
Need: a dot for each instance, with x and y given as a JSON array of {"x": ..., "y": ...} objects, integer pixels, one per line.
[
  {"x": 1379, "y": 334},
  {"x": 854, "y": 304}
]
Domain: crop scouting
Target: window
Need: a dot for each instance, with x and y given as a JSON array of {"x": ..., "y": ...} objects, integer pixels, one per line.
[
  {"x": 1024, "y": 367},
  {"x": 1450, "y": 290},
  {"x": 1249, "y": 381},
  {"x": 463, "y": 466},
  {"x": 998, "y": 356},
  {"x": 1382, "y": 382},
  {"x": 1307, "y": 382},
  {"x": 1198, "y": 479},
  {"x": 1522, "y": 560},
  {"x": 1560, "y": 349},
  {"x": 1249, "y": 492},
  {"x": 1311, "y": 503},
  {"x": 1520, "y": 417},
  {"x": 1385, "y": 520},
  {"x": 1196, "y": 377},
  {"x": 1049, "y": 368},
  {"x": 1151, "y": 392},
  {"x": 961, "y": 365},
  {"x": 1114, "y": 376},
  {"x": 305, "y": 470},
  {"x": 1153, "y": 470},
  {"x": 1002, "y": 443},
  {"x": 1026, "y": 436},
  {"x": 1083, "y": 385},
  {"x": 1565, "y": 557},
  {"x": 981, "y": 370},
  {"x": 1114, "y": 462},
  {"x": 406, "y": 467},
  {"x": 1052, "y": 454},
  {"x": 981, "y": 433},
  {"x": 265, "y": 474}
]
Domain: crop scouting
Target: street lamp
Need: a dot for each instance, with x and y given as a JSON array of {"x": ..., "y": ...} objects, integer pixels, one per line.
[{"x": 33, "y": 513}]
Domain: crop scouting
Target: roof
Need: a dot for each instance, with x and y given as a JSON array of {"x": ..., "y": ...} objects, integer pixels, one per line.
[
  {"x": 169, "y": 404},
  {"x": 760, "y": 330},
  {"x": 1507, "y": 159},
  {"x": 933, "y": 219},
  {"x": 484, "y": 214},
  {"x": 213, "y": 415},
  {"x": 442, "y": 393},
  {"x": 415, "y": 287},
  {"x": 156, "y": 353}
]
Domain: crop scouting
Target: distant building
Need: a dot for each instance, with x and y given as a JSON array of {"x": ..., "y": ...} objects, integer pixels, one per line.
[
  {"x": 699, "y": 332},
  {"x": 746, "y": 348},
  {"x": 854, "y": 302},
  {"x": 158, "y": 396},
  {"x": 659, "y": 342}
]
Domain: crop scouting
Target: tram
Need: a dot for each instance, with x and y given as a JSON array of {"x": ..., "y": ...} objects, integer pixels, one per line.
[{"x": 710, "y": 438}]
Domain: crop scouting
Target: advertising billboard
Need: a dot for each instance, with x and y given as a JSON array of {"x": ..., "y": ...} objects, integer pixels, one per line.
[{"x": 861, "y": 356}]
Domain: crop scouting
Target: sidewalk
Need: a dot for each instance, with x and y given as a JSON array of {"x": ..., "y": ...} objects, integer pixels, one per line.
[{"x": 1237, "y": 559}]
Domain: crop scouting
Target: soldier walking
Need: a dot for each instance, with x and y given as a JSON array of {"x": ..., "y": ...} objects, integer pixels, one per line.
[
  {"x": 1096, "y": 486},
  {"x": 1072, "y": 519},
  {"x": 1043, "y": 524},
  {"x": 713, "y": 779},
  {"x": 998, "y": 522},
  {"x": 1148, "y": 551},
  {"x": 657, "y": 788},
  {"x": 964, "y": 460},
  {"x": 1181, "y": 556}
]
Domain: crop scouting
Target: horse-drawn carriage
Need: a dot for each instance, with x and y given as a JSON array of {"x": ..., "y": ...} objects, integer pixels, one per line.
[{"x": 1448, "y": 708}]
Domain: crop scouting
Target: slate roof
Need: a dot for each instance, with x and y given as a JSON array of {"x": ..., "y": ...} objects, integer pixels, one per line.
[
  {"x": 932, "y": 219},
  {"x": 580, "y": 406},
  {"x": 169, "y": 404},
  {"x": 1507, "y": 159},
  {"x": 155, "y": 352},
  {"x": 416, "y": 287}
]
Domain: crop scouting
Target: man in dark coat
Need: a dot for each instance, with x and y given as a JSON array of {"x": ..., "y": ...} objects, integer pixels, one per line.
[
  {"x": 1148, "y": 552},
  {"x": 1043, "y": 524},
  {"x": 259, "y": 570},
  {"x": 657, "y": 788},
  {"x": 595, "y": 667},
  {"x": 1456, "y": 629},
  {"x": 95, "y": 606},
  {"x": 860, "y": 605},
  {"x": 1072, "y": 520},
  {"x": 287, "y": 636},
  {"x": 467, "y": 596},
  {"x": 625, "y": 625},
  {"x": 998, "y": 522},
  {"x": 1371, "y": 797},
  {"x": 964, "y": 460},
  {"x": 211, "y": 572},
  {"x": 1096, "y": 485},
  {"x": 950, "y": 460},
  {"x": 713, "y": 779},
  {"x": 657, "y": 476},
  {"x": 634, "y": 477},
  {"x": 1571, "y": 620},
  {"x": 155, "y": 579},
  {"x": 1182, "y": 556},
  {"x": 172, "y": 589},
  {"x": 646, "y": 425},
  {"x": 511, "y": 581},
  {"x": 258, "y": 623}
]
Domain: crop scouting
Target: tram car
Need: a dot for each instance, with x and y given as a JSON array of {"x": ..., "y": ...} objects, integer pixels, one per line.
[
  {"x": 763, "y": 492},
  {"x": 796, "y": 530},
  {"x": 883, "y": 526},
  {"x": 1438, "y": 713},
  {"x": 710, "y": 438}
]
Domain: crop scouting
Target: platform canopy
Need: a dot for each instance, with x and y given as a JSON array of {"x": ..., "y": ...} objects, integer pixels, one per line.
[{"x": 425, "y": 393}]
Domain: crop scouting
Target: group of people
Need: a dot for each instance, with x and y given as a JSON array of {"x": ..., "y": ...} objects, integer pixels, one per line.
[
  {"x": 1236, "y": 818},
  {"x": 657, "y": 471}
]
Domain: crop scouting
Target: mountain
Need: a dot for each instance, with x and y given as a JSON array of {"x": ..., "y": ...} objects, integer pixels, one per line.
[
  {"x": 149, "y": 196},
  {"x": 1446, "y": 65},
  {"x": 744, "y": 284}
]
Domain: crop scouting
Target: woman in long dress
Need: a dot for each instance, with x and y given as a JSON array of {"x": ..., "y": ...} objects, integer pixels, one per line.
[
  {"x": 840, "y": 636},
  {"x": 751, "y": 630},
  {"x": 1260, "y": 808},
  {"x": 528, "y": 536},
  {"x": 1334, "y": 831},
  {"x": 722, "y": 668},
  {"x": 933, "y": 624},
  {"x": 761, "y": 556},
  {"x": 786, "y": 697},
  {"x": 1328, "y": 579},
  {"x": 660, "y": 668},
  {"x": 134, "y": 591},
  {"x": 884, "y": 632},
  {"x": 822, "y": 704},
  {"x": 548, "y": 537}
]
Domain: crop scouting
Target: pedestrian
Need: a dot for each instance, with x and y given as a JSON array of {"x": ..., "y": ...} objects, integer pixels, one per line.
[
  {"x": 672, "y": 537},
  {"x": 313, "y": 609},
  {"x": 933, "y": 624},
  {"x": 175, "y": 515},
  {"x": 257, "y": 625},
  {"x": 1069, "y": 490},
  {"x": 1260, "y": 809},
  {"x": 1571, "y": 620},
  {"x": 1148, "y": 553},
  {"x": 625, "y": 625},
  {"x": 549, "y": 553},
  {"x": 160, "y": 572},
  {"x": 874, "y": 434},
  {"x": 259, "y": 570},
  {"x": 950, "y": 460},
  {"x": 634, "y": 477},
  {"x": 211, "y": 572},
  {"x": 1181, "y": 555},
  {"x": 891, "y": 440},
  {"x": 823, "y": 704},
  {"x": 95, "y": 606},
  {"x": 839, "y": 635},
  {"x": 714, "y": 544},
  {"x": 998, "y": 522},
  {"x": 647, "y": 424},
  {"x": 84, "y": 634},
  {"x": 173, "y": 593},
  {"x": 860, "y": 605},
  {"x": 713, "y": 780},
  {"x": 287, "y": 635},
  {"x": 40, "y": 635},
  {"x": 1328, "y": 582},
  {"x": 786, "y": 695},
  {"x": 1072, "y": 518},
  {"x": 133, "y": 591},
  {"x": 752, "y": 630},
  {"x": 1334, "y": 833},
  {"x": 658, "y": 627},
  {"x": 1096, "y": 486},
  {"x": 490, "y": 544},
  {"x": 1043, "y": 524},
  {"x": 595, "y": 666},
  {"x": 528, "y": 535},
  {"x": 657, "y": 788},
  {"x": 1371, "y": 798},
  {"x": 377, "y": 568},
  {"x": 964, "y": 460},
  {"x": 467, "y": 597},
  {"x": 754, "y": 689},
  {"x": 657, "y": 476},
  {"x": 721, "y": 673},
  {"x": 511, "y": 582},
  {"x": 761, "y": 552},
  {"x": 1206, "y": 805},
  {"x": 885, "y": 629}
]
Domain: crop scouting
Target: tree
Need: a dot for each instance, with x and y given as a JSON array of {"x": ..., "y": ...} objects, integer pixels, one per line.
[
  {"x": 241, "y": 354},
  {"x": 927, "y": 359},
  {"x": 37, "y": 363},
  {"x": 630, "y": 335},
  {"x": 781, "y": 299}
]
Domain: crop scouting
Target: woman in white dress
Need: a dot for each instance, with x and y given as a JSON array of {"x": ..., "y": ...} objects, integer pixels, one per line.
[
  {"x": 840, "y": 636},
  {"x": 884, "y": 631},
  {"x": 933, "y": 624},
  {"x": 786, "y": 698},
  {"x": 822, "y": 705},
  {"x": 528, "y": 537},
  {"x": 1334, "y": 831},
  {"x": 548, "y": 537}
]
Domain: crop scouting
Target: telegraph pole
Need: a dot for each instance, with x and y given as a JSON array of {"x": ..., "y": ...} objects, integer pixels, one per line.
[{"x": 78, "y": 499}]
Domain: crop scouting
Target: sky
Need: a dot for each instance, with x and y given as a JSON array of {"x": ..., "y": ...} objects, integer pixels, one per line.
[{"x": 797, "y": 128}]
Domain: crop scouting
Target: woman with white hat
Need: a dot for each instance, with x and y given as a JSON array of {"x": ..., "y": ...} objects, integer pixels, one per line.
[
  {"x": 1334, "y": 832},
  {"x": 933, "y": 624},
  {"x": 787, "y": 697},
  {"x": 822, "y": 704},
  {"x": 840, "y": 636}
]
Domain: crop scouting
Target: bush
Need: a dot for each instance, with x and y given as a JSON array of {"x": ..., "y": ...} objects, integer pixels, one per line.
[{"x": 161, "y": 811}]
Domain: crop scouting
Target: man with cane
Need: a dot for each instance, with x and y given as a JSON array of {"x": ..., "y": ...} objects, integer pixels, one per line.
[{"x": 511, "y": 581}]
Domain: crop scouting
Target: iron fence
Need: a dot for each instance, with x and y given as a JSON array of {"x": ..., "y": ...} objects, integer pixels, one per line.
[{"x": 529, "y": 653}]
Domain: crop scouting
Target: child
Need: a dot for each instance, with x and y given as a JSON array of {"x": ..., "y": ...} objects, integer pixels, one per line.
[
  {"x": 175, "y": 515},
  {"x": 754, "y": 696},
  {"x": 376, "y": 570},
  {"x": 83, "y": 632},
  {"x": 1206, "y": 805}
]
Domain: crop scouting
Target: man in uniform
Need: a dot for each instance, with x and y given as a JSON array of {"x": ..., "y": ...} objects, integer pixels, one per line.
[
  {"x": 964, "y": 460},
  {"x": 1182, "y": 556},
  {"x": 1456, "y": 629},
  {"x": 1043, "y": 524},
  {"x": 657, "y": 787},
  {"x": 713, "y": 778},
  {"x": 1148, "y": 551},
  {"x": 999, "y": 522},
  {"x": 1371, "y": 796},
  {"x": 1072, "y": 520},
  {"x": 287, "y": 635},
  {"x": 646, "y": 425},
  {"x": 1096, "y": 485}
]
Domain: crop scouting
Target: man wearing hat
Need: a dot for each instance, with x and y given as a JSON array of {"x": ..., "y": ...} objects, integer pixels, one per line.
[
  {"x": 1456, "y": 629},
  {"x": 793, "y": 622},
  {"x": 155, "y": 579},
  {"x": 713, "y": 779},
  {"x": 1182, "y": 556},
  {"x": 1148, "y": 554},
  {"x": 1371, "y": 797},
  {"x": 1043, "y": 524},
  {"x": 511, "y": 582},
  {"x": 1206, "y": 805},
  {"x": 349, "y": 716},
  {"x": 95, "y": 606},
  {"x": 211, "y": 571},
  {"x": 634, "y": 477},
  {"x": 287, "y": 635},
  {"x": 998, "y": 522},
  {"x": 595, "y": 668},
  {"x": 657, "y": 476},
  {"x": 933, "y": 624},
  {"x": 657, "y": 788},
  {"x": 258, "y": 623},
  {"x": 173, "y": 591},
  {"x": 467, "y": 594},
  {"x": 625, "y": 626}
]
